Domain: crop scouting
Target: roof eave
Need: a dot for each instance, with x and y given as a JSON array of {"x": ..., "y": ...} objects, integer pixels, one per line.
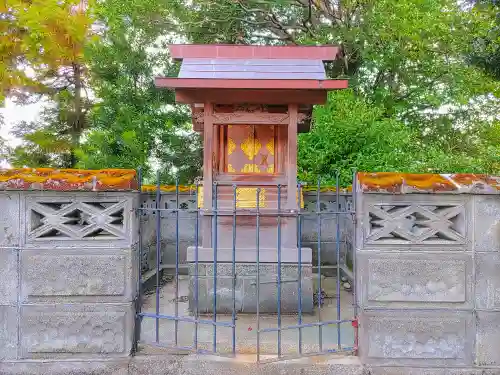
[{"x": 260, "y": 84}]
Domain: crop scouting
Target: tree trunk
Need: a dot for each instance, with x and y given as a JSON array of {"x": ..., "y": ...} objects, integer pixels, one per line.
[{"x": 76, "y": 126}]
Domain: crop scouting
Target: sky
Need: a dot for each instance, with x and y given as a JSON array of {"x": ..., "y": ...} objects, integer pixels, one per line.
[{"x": 13, "y": 114}]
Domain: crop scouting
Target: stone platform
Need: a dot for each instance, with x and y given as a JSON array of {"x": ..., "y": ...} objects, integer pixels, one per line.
[{"x": 246, "y": 326}]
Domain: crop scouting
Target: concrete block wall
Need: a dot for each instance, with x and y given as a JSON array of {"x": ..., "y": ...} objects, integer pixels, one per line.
[
  {"x": 428, "y": 273},
  {"x": 68, "y": 271},
  {"x": 187, "y": 228}
]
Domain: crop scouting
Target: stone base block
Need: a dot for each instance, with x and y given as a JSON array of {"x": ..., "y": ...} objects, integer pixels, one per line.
[
  {"x": 245, "y": 288},
  {"x": 87, "y": 330},
  {"x": 385, "y": 370},
  {"x": 417, "y": 338},
  {"x": 74, "y": 367},
  {"x": 73, "y": 275},
  {"x": 249, "y": 255},
  {"x": 8, "y": 276},
  {"x": 8, "y": 333},
  {"x": 488, "y": 338}
]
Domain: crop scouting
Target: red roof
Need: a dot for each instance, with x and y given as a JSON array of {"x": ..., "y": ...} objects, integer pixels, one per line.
[{"x": 252, "y": 67}]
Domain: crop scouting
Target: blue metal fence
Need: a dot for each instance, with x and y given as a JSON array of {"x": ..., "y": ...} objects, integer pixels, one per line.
[{"x": 328, "y": 309}]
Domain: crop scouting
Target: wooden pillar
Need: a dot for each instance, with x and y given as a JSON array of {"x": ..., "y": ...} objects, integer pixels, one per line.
[
  {"x": 292, "y": 157},
  {"x": 208, "y": 144}
]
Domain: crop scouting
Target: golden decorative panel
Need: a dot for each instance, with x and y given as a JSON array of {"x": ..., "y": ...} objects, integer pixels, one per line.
[
  {"x": 200, "y": 196},
  {"x": 231, "y": 146},
  {"x": 270, "y": 146},
  {"x": 251, "y": 146},
  {"x": 245, "y": 151},
  {"x": 250, "y": 168},
  {"x": 247, "y": 198}
]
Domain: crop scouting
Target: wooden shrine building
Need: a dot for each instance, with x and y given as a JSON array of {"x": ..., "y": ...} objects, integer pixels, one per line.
[{"x": 249, "y": 102}]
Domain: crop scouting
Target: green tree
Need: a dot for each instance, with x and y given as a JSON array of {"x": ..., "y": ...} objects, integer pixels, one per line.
[
  {"x": 133, "y": 123},
  {"x": 406, "y": 58},
  {"x": 486, "y": 50},
  {"x": 350, "y": 133},
  {"x": 42, "y": 45}
]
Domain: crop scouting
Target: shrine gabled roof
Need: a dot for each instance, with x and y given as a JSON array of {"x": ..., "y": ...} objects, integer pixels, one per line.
[{"x": 252, "y": 67}]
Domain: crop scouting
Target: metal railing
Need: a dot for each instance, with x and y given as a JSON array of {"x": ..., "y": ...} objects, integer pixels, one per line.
[{"x": 328, "y": 308}]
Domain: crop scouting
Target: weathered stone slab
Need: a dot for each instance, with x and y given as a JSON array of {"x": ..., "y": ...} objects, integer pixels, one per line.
[
  {"x": 8, "y": 332},
  {"x": 104, "y": 367},
  {"x": 487, "y": 223},
  {"x": 417, "y": 338},
  {"x": 8, "y": 276},
  {"x": 268, "y": 295},
  {"x": 419, "y": 222},
  {"x": 385, "y": 370},
  {"x": 211, "y": 365},
  {"x": 249, "y": 255},
  {"x": 59, "y": 331},
  {"x": 245, "y": 288},
  {"x": 10, "y": 232},
  {"x": 310, "y": 227},
  {"x": 329, "y": 251},
  {"x": 416, "y": 280},
  {"x": 90, "y": 275},
  {"x": 488, "y": 338},
  {"x": 487, "y": 280}
]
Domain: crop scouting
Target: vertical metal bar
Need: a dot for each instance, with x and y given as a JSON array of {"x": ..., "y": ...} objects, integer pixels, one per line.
[
  {"x": 138, "y": 307},
  {"x": 318, "y": 212},
  {"x": 233, "y": 317},
  {"x": 354, "y": 250},
  {"x": 176, "y": 261},
  {"x": 196, "y": 266},
  {"x": 158, "y": 252},
  {"x": 258, "y": 273},
  {"x": 279, "y": 270},
  {"x": 337, "y": 243},
  {"x": 299, "y": 239},
  {"x": 214, "y": 240}
]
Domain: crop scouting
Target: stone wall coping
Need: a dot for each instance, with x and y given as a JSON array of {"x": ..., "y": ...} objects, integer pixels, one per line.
[
  {"x": 68, "y": 179},
  {"x": 407, "y": 183},
  {"x": 126, "y": 180},
  {"x": 53, "y": 179}
]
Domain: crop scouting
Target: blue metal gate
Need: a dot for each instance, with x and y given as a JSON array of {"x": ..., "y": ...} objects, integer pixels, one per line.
[{"x": 204, "y": 307}]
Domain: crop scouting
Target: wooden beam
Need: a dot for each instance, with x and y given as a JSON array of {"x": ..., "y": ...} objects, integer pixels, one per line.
[
  {"x": 234, "y": 96},
  {"x": 292, "y": 157}
]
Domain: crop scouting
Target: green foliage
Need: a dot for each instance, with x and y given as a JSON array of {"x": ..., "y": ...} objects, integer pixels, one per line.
[
  {"x": 423, "y": 96},
  {"x": 349, "y": 133},
  {"x": 406, "y": 61},
  {"x": 45, "y": 36},
  {"x": 4, "y": 150},
  {"x": 486, "y": 49},
  {"x": 48, "y": 141},
  {"x": 133, "y": 123},
  {"x": 41, "y": 45}
]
